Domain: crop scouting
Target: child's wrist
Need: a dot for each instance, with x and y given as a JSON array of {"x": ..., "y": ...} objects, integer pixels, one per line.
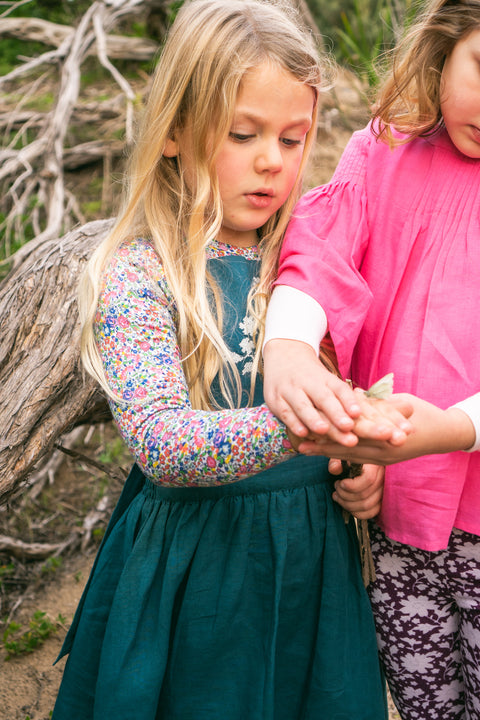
[
  {"x": 471, "y": 407},
  {"x": 463, "y": 432}
]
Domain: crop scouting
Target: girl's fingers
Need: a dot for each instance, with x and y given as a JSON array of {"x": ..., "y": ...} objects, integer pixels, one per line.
[
  {"x": 362, "y": 495},
  {"x": 379, "y": 429},
  {"x": 286, "y": 414},
  {"x": 366, "y": 451},
  {"x": 383, "y": 419},
  {"x": 303, "y": 393},
  {"x": 331, "y": 405}
]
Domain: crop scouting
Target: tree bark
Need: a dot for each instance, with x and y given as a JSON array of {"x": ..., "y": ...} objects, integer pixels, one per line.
[{"x": 44, "y": 392}]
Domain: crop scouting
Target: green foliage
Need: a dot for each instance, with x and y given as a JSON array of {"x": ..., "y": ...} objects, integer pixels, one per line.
[
  {"x": 362, "y": 41},
  {"x": 63, "y": 12},
  {"x": 6, "y": 571},
  {"x": 22, "y": 233},
  {"x": 11, "y": 49},
  {"x": 173, "y": 9},
  {"x": 91, "y": 207},
  {"x": 41, "y": 102},
  {"x": 114, "y": 452},
  {"x": 51, "y": 565},
  {"x": 361, "y": 32},
  {"x": 18, "y": 641},
  {"x": 98, "y": 533}
]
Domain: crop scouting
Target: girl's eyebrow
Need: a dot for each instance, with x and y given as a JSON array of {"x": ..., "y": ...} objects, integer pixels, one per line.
[{"x": 252, "y": 117}]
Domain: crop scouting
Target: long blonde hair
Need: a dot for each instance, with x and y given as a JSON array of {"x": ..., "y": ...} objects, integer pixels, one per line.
[
  {"x": 210, "y": 47},
  {"x": 409, "y": 100}
]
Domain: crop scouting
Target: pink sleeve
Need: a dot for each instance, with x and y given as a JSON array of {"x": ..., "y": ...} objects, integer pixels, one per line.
[{"x": 324, "y": 246}]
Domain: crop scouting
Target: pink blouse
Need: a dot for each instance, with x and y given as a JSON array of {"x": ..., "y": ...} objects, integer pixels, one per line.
[{"x": 390, "y": 248}]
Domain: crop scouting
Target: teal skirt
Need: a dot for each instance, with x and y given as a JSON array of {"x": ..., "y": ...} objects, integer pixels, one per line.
[{"x": 239, "y": 602}]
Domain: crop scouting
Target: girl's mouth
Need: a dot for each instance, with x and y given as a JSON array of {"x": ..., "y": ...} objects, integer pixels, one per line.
[
  {"x": 476, "y": 133},
  {"x": 260, "y": 199}
]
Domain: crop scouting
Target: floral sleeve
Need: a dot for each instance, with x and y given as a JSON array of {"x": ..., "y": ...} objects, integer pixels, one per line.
[{"x": 173, "y": 444}]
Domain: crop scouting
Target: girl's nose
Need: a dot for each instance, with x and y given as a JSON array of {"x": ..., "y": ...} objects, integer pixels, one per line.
[{"x": 269, "y": 157}]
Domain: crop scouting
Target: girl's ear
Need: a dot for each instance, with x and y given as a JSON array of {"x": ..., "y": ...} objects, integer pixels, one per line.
[{"x": 171, "y": 148}]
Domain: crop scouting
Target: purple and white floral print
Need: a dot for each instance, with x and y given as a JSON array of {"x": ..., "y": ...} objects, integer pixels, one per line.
[{"x": 427, "y": 615}]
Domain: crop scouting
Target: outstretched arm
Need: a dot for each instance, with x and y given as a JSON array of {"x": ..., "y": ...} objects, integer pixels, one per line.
[
  {"x": 433, "y": 431},
  {"x": 174, "y": 443}
]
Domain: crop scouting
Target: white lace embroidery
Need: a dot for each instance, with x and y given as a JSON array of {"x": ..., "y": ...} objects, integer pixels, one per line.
[{"x": 247, "y": 345}]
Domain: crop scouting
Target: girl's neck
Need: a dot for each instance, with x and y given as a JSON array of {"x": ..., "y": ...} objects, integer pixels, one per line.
[{"x": 238, "y": 239}]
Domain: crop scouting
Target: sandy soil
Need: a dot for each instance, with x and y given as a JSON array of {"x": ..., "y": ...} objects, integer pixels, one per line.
[{"x": 29, "y": 683}]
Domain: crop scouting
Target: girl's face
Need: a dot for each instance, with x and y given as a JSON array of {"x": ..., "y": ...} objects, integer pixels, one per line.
[
  {"x": 258, "y": 163},
  {"x": 460, "y": 95}
]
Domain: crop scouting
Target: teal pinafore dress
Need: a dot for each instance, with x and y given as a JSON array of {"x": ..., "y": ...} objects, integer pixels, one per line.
[{"x": 235, "y": 602}]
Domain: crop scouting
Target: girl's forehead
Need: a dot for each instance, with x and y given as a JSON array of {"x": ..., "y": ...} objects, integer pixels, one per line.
[
  {"x": 266, "y": 71},
  {"x": 269, "y": 86}
]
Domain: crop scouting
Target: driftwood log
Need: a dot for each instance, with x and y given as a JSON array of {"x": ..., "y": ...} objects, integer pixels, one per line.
[{"x": 44, "y": 393}]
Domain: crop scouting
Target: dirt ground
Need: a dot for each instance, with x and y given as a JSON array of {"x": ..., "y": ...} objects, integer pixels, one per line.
[{"x": 76, "y": 493}]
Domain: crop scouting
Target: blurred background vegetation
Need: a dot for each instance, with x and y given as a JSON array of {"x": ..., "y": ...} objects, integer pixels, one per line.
[
  {"x": 357, "y": 33},
  {"x": 360, "y": 32}
]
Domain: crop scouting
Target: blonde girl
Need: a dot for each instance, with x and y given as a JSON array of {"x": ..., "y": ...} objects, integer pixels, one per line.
[
  {"x": 227, "y": 585},
  {"x": 390, "y": 252}
]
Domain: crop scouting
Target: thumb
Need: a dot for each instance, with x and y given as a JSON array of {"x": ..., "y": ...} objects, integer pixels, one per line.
[{"x": 335, "y": 466}]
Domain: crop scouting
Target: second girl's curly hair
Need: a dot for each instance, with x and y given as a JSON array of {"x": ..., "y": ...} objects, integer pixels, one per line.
[{"x": 409, "y": 100}]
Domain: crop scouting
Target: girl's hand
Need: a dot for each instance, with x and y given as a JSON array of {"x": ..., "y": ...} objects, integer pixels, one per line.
[
  {"x": 304, "y": 395},
  {"x": 384, "y": 420},
  {"x": 362, "y": 495},
  {"x": 312, "y": 402},
  {"x": 434, "y": 431}
]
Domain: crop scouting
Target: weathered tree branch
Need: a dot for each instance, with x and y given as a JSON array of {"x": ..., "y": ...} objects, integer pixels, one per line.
[
  {"x": 32, "y": 551},
  {"x": 118, "y": 47},
  {"x": 35, "y": 171},
  {"x": 44, "y": 393}
]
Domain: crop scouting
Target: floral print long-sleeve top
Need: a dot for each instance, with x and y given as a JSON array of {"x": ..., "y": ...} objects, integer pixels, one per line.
[{"x": 135, "y": 333}]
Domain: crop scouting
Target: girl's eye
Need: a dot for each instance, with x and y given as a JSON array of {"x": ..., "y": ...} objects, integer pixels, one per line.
[
  {"x": 289, "y": 142},
  {"x": 240, "y": 137}
]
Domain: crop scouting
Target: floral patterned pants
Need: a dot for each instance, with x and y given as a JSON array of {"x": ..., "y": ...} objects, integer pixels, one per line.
[{"x": 427, "y": 614}]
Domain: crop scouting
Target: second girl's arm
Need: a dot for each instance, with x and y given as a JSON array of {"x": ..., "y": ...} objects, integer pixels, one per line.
[
  {"x": 434, "y": 431},
  {"x": 323, "y": 249},
  {"x": 173, "y": 443}
]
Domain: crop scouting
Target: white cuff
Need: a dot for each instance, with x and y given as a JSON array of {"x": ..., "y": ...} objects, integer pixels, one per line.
[
  {"x": 294, "y": 315},
  {"x": 471, "y": 407}
]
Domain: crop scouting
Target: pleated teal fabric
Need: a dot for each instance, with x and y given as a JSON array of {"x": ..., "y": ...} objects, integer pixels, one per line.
[
  {"x": 235, "y": 602},
  {"x": 246, "y": 604}
]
